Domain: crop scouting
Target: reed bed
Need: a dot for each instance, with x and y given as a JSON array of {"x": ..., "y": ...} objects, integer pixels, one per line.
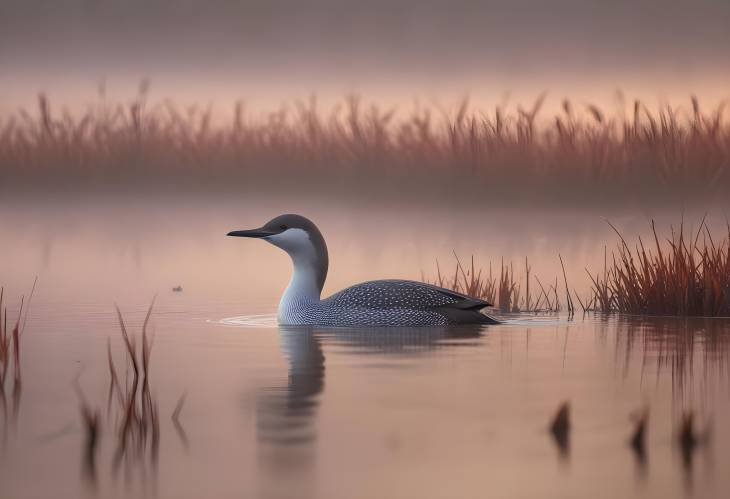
[
  {"x": 503, "y": 291},
  {"x": 685, "y": 275},
  {"x": 580, "y": 155}
]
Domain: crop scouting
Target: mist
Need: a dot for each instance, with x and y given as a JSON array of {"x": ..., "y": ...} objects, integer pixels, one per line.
[{"x": 271, "y": 51}]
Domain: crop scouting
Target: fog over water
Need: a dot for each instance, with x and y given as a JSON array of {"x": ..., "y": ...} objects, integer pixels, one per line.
[{"x": 219, "y": 50}]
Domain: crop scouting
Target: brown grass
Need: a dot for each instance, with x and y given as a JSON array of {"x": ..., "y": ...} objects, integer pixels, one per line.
[
  {"x": 582, "y": 154},
  {"x": 132, "y": 410},
  {"x": 139, "y": 428},
  {"x": 10, "y": 354},
  {"x": 9, "y": 343},
  {"x": 686, "y": 275},
  {"x": 503, "y": 292},
  {"x": 468, "y": 281}
]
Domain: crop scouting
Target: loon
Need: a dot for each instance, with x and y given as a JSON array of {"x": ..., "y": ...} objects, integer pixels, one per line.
[{"x": 383, "y": 303}]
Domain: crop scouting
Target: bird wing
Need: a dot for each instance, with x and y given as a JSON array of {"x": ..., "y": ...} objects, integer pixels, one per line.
[{"x": 392, "y": 293}]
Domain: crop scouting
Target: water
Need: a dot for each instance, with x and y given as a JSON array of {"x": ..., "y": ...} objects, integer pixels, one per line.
[{"x": 287, "y": 412}]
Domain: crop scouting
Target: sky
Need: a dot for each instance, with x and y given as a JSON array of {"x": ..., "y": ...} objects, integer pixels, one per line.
[{"x": 270, "y": 51}]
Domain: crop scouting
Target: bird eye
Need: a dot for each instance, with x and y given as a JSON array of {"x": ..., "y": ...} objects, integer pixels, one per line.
[{"x": 282, "y": 227}]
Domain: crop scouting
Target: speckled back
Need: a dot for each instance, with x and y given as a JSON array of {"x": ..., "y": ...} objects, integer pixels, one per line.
[{"x": 383, "y": 303}]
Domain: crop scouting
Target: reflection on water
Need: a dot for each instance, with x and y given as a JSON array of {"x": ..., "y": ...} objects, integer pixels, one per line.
[
  {"x": 286, "y": 418},
  {"x": 638, "y": 439},
  {"x": 286, "y": 414},
  {"x": 347, "y": 413},
  {"x": 560, "y": 430},
  {"x": 684, "y": 352},
  {"x": 392, "y": 412},
  {"x": 402, "y": 340},
  {"x": 254, "y": 320},
  {"x": 691, "y": 350}
]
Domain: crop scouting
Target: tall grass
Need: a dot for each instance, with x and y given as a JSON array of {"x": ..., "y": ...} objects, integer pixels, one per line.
[
  {"x": 138, "y": 428},
  {"x": 503, "y": 291},
  {"x": 10, "y": 355},
  {"x": 688, "y": 274},
  {"x": 9, "y": 343},
  {"x": 581, "y": 154},
  {"x": 132, "y": 411}
]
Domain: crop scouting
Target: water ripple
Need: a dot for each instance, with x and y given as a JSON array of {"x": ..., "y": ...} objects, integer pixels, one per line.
[{"x": 254, "y": 320}]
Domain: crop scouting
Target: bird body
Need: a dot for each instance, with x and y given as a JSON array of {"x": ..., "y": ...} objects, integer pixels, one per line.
[
  {"x": 372, "y": 303},
  {"x": 384, "y": 303}
]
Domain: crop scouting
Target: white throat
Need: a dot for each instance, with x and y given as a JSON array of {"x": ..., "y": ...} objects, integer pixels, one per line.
[{"x": 303, "y": 288}]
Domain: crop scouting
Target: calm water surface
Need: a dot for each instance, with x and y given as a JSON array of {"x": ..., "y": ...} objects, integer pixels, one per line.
[{"x": 277, "y": 412}]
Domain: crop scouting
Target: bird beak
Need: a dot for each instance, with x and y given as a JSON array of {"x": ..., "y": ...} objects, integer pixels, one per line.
[{"x": 258, "y": 233}]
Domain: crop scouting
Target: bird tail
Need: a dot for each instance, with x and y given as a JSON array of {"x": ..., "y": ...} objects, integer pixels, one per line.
[{"x": 459, "y": 315}]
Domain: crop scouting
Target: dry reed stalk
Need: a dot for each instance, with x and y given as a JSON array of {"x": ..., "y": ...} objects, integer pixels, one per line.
[
  {"x": 544, "y": 294},
  {"x": 113, "y": 380},
  {"x": 568, "y": 299},
  {"x": 527, "y": 285},
  {"x": 140, "y": 415},
  {"x": 10, "y": 343},
  {"x": 509, "y": 290},
  {"x": 16, "y": 351},
  {"x": 130, "y": 399},
  {"x": 4, "y": 342}
]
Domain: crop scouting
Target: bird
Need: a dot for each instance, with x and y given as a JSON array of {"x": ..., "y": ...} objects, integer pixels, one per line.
[{"x": 381, "y": 303}]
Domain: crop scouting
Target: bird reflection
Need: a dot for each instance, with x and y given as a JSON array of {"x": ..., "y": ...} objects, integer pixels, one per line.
[{"x": 287, "y": 413}]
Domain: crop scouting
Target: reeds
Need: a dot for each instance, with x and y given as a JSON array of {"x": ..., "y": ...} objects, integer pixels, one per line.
[
  {"x": 10, "y": 354},
  {"x": 582, "y": 154},
  {"x": 9, "y": 343},
  {"x": 503, "y": 292},
  {"x": 138, "y": 428},
  {"x": 686, "y": 275},
  {"x": 132, "y": 411},
  {"x": 469, "y": 281}
]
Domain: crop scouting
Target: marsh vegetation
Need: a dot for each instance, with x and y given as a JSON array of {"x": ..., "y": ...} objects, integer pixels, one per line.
[
  {"x": 684, "y": 274},
  {"x": 581, "y": 156}
]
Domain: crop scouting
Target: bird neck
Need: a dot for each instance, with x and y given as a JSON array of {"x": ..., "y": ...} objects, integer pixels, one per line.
[{"x": 304, "y": 287}]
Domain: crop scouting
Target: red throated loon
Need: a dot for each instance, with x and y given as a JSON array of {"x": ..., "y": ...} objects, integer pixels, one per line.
[{"x": 372, "y": 303}]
